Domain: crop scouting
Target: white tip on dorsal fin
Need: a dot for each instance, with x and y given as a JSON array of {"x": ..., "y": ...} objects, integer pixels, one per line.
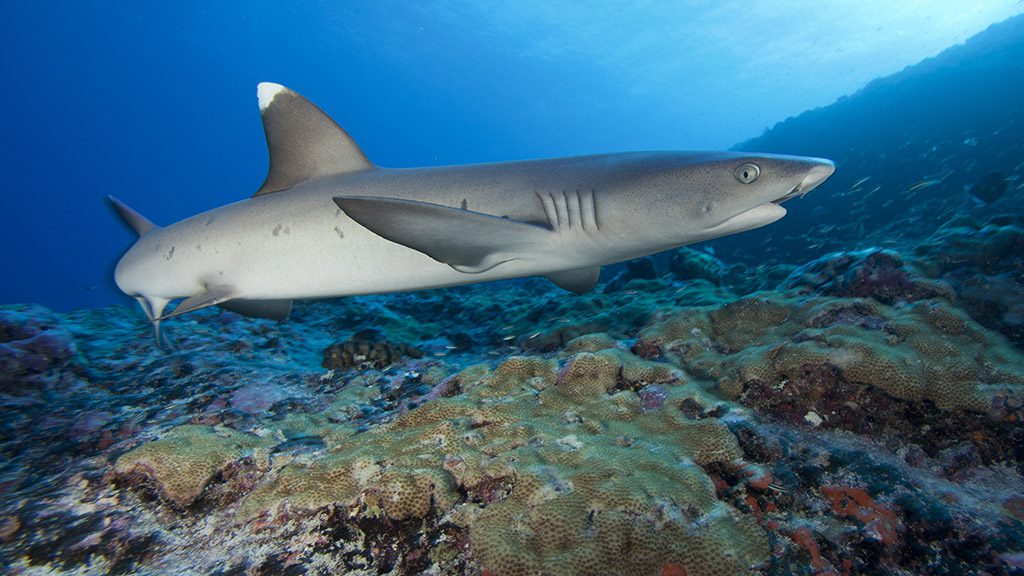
[
  {"x": 265, "y": 92},
  {"x": 303, "y": 141}
]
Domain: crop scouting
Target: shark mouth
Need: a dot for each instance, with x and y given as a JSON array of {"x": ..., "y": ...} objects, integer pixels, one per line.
[
  {"x": 769, "y": 212},
  {"x": 748, "y": 220},
  {"x": 796, "y": 191}
]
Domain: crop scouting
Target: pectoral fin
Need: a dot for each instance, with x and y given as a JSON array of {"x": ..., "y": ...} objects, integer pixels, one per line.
[
  {"x": 470, "y": 242},
  {"x": 213, "y": 296},
  {"x": 578, "y": 281},
  {"x": 269, "y": 309}
]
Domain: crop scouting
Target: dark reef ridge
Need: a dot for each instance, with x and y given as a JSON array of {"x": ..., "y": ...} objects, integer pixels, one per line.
[{"x": 907, "y": 148}]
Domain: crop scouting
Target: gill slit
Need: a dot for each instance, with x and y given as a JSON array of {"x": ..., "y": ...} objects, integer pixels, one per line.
[{"x": 578, "y": 212}]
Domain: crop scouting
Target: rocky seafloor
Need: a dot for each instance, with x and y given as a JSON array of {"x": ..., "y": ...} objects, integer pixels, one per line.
[{"x": 859, "y": 414}]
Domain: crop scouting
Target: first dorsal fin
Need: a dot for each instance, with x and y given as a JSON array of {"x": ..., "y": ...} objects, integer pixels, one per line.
[{"x": 304, "y": 142}]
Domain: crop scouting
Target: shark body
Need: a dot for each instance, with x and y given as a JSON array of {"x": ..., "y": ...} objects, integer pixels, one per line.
[{"x": 327, "y": 222}]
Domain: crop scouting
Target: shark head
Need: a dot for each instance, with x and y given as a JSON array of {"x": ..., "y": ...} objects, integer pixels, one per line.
[
  {"x": 747, "y": 191},
  {"x": 709, "y": 195}
]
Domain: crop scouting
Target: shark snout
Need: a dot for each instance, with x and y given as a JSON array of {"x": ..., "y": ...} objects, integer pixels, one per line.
[{"x": 818, "y": 172}]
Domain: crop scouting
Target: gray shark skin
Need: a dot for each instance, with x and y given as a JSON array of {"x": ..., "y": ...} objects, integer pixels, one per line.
[{"x": 327, "y": 222}]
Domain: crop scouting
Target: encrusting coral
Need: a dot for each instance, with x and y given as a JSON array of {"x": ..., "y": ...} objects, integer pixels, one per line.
[
  {"x": 182, "y": 462},
  {"x": 926, "y": 350},
  {"x": 672, "y": 441},
  {"x": 595, "y": 458},
  {"x": 561, "y": 471}
]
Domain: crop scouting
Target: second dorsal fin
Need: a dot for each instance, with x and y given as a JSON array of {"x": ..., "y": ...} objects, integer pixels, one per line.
[{"x": 303, "y": 141}]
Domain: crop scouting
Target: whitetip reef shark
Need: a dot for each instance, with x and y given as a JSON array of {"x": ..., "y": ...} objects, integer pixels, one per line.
[{"x": 327, "y": 222}]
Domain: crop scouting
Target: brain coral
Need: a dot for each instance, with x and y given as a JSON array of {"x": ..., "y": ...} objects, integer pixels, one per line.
[
  {"x": 186, "y": 459},
  {"x": 558, "y": 474},
  {"x": 926, "y": 350}
]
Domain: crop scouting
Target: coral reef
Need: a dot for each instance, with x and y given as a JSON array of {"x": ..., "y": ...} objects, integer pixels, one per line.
[
  {"x": 870, "y": 273},
  {"x": 690, "y": 264},
  {"x": 33, "y": 349},
  {"x": 639, "y": 269},
  {"x": 824, "y": 419},
  {"x": 182, "y": 462},
  {"x": 588, "y": 481},
  {"x": 984, "y": 263},
  {"x": 366, "y": 347},
  {"x": 926, "y": 351}
]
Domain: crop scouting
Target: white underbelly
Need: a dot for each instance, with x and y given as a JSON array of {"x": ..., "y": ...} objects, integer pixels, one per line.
[{"x": 312, "y": 264}]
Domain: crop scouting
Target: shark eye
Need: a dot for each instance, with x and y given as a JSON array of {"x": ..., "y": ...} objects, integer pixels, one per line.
[{"x": 747, "y": 173}]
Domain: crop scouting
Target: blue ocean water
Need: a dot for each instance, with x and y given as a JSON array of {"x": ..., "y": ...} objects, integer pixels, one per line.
[
  {"x": 157, "y": 106},
  {"x": 839, "y": 392}
]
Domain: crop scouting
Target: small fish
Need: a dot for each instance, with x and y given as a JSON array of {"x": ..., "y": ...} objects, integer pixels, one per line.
[
  {"x": 989, "y": 189},
  {"x": 924, "y": 184},
  {"x": 859, "y": 182},
  {"x": 827, "y": 229}
]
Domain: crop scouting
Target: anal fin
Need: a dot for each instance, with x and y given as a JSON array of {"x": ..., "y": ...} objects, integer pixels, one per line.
[
  {"x": 578, "y": 281},
  {"x": 269, "y": 309}
]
